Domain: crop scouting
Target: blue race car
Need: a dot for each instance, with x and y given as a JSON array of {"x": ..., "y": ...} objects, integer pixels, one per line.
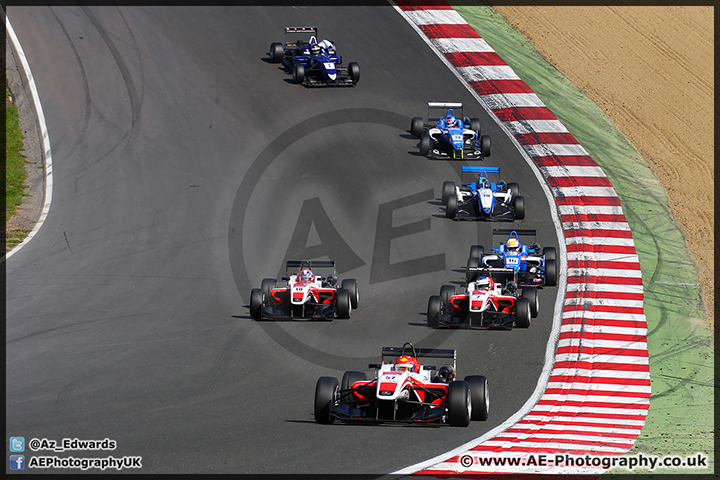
[
  {"x": 483, "y": 199},
  {"x": 450, "y": 136},
  {"x": 314, "y": 63},
  {"x": 526, "y": 266}
]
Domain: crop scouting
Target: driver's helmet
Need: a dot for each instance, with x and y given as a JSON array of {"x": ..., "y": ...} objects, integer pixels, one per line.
[
  {"x": 484, "y": 282},
  {"x": 407, "y": 363},
  {"x": 445, "y": 373},
  {"x": 512, "y": 244},
  {"x": 450, "y": 120},
  {"x": 306, "y": 275},
  {"x": 315, "y": 49}
]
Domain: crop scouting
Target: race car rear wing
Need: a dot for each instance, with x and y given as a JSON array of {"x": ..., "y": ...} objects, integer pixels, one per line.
[
  {"x": 312, "y": 30},
  {"x": 508, "y": 231},
  {"x": 498, "y": 274},
  {"x": 417, "y": 352},
  {"x": 434, "y": 106},
  {"x": 299, "y": 264}
]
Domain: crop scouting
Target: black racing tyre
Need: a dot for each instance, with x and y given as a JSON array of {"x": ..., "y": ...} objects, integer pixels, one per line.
[
  {"x": 326, "y": 391},
  {"x": 354, "y": 71},
  {"x": 549, "y": 253},
  {"x": 434, "y": 310},
  {"x": 477, "y": 251},
  {"x": 519, "y": 207},
  {"x": 347, "y": 380},
  {"x": 531, "y": 294},
  {"x": 522, "y": 312},
  {"x": 459, "y": 404},
  {"x": 424, "y": 144},
  {"x": 448, "y": 190},
  {"x": 550, "y": 273},
  {"x": 298, "y": 73},
  {"x": 451, "y": 207},
  {"x": 343, "y": 304},
  {"x": 447, "y": 291},
  {"x": 350, "y": 285},
  {"x": 485, "y": 145},
  {"x": 513, "y": 188},
  {"x": 416, "y": 127},
  {"x": 472, "y": 262},
  {"x": 276, "y": 52},
  {"x": 475, "y": 125},
  {"x": 267, "y": 285},
  {"x": 256, "y": 303},
  {"x": 479, "y": 396}
]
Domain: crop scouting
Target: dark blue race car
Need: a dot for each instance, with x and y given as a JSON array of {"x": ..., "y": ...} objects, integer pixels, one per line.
[
  {"x": 450, "y": 136},
  {"x": 483, "y": 199},
  {"x": 525, "y": 265},
  {"x": 316, "y": 64}
]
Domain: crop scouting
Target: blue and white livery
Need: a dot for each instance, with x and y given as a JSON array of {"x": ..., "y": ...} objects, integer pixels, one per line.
[
  {"x": 451, "y": 136},
  {"x": 483, "y": 199}
]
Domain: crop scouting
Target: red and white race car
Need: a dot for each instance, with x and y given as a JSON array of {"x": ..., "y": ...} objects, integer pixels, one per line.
[
  {"x": 485, "y": 302},
  {"x": 305, "y": 294},
  {"x": 405, "y": 391}
]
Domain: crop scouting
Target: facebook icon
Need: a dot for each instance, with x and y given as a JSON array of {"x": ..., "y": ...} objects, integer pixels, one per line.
[{"x": 17, "y": 462}]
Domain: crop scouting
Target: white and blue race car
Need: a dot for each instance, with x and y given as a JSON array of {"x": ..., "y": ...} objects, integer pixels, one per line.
[
  {"x": 316, "y": 64},
  {"x": 483, "y": 199},
  {"x": 451, "y": 136}
]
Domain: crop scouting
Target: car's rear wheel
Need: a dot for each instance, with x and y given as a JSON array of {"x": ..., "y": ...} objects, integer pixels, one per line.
[
  {"x": 522, "y": 312},
  {"x": 348, "y": 379},
  {"x": 459, "y": 404},
  {"x": 479, "y": 396},
  {"x": 475, "y": 125},
  {"x": 354, "y": 71},
  {"x": 549, "y": 253},
  {"x": 350, "y": 285},
  {"x": 448, "y": 190},
  {"x": 267, "y": 285},
  {"x": 424, "y": 144},
  {"x": 550, "y": 273},
  {"x": 276, "y": 52},
  {"x": 416, "y": 127},
  {"x": 531, "y": 294},
  {"x": 471, "y": 276},
  {"x": 447, "y": 291},
  {"x": 343, "y": 304},
  {"x": 485, "y": 145},
  {"x": 433, "y": 311},
  {"x": 256, "y": 303},
  {"x": 519, "y": 207},
  {"x": 298, "y": 73},
  {"x": 326, "y": 391},
  {"x": 451, "y": 207}
]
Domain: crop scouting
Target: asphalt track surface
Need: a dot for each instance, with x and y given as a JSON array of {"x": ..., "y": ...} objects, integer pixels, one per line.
[{"x": 186, "y": 169}]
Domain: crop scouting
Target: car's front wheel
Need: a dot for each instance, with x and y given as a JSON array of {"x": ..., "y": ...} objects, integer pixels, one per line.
[
  {"x": 519, "y": 207},
  {"x": 451, "y": 208},
  {"x": 424, "y": 144},
  {"x": 485, "y": 145},
  {"x": 256, "y": 303},
  {"x": 459, "y": 404},
  {"x": 354, "y": 70},
  {"x": 433, "y": 311},
  {"x": 522, "y": 312},
  {"x": 326, "y": 391},
  {"x": 350, "y": 285},
  {"x": 343, "y": 304},
  {"x": 298, "y": 73},
  {"x": 479, "y": 396}
]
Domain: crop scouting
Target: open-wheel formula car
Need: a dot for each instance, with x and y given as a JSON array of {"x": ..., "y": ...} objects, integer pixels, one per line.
[
  {"x": 451, "y": 135},
  {"x": 404, "y": 391},
  {"x": 314, "y": 63},
  {"x": 483, "y": 199},
  {"x": 484, "y": 302},
  {"x": 305, "y": 295},
  {"x": 527, "y": 265}
]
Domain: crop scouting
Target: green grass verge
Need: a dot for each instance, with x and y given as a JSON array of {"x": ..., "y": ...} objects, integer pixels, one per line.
[
  {"x": 14, "y": 161},
  {"x": 680, "y": 419}
]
